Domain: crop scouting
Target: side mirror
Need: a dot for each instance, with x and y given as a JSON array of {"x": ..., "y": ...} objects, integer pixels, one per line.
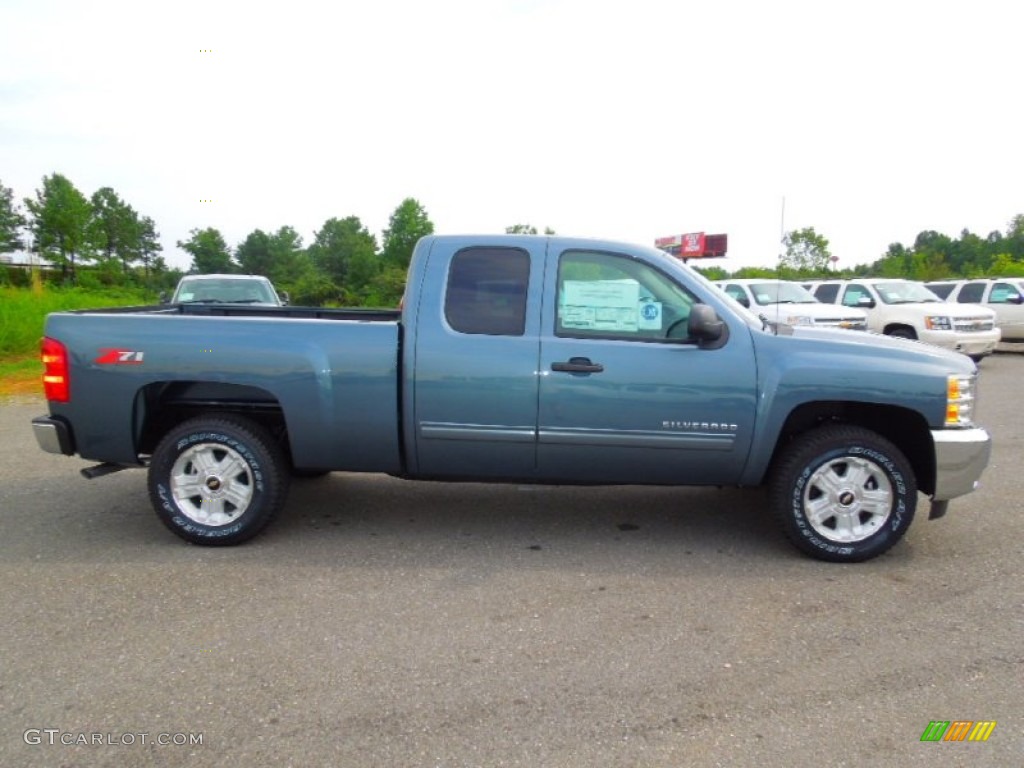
[
  {"x": 1018, "y": 299},
  {"x": 744, "y": 301},
  {"x": 706, "y": 327},
  {"x": 285, "y": 299},
  {"x": 865, "y": 302},
  {"x": 164, "y": 298}
]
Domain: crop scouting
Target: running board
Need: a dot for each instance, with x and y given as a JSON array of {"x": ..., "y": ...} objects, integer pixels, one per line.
[{"x": 91, "y": 473}]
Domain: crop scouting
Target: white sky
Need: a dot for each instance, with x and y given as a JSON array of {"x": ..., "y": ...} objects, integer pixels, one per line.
[{"x": 628, "y": 120}]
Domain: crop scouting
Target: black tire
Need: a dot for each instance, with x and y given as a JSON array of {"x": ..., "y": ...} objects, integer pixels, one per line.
[
  {"x": 902, "y": 333},
  {"x": 862, "y": 485},
  {"x": 232, "y": 459}
]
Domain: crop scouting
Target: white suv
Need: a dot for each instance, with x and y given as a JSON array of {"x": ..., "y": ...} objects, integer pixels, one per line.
[
  {"x": 783, "y": 301},
  {"x": 1004, "y": 296},
  {"x": 909, "y": 310}
]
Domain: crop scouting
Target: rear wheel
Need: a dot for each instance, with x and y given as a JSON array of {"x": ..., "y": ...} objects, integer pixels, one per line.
[
  {"x": 217, "y": 480},
  {"x": 843, "y": 493}
]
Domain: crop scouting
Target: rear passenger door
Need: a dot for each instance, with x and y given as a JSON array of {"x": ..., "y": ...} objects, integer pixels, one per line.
[{"x": 474, "y": 368}]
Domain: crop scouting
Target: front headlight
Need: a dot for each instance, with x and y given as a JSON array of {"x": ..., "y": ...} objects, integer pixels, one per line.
[
  {"x": 960, "y": 399},
  {"x": 938, "y": 323}
]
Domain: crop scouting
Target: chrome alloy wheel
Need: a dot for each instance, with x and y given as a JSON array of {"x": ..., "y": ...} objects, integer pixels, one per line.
[
  {"x": 848, "y": 499},
  {"x": 211, "y": 484}
]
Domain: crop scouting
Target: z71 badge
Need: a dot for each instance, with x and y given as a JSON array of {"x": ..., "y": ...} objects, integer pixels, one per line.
[{"x": 119, "y": 357}]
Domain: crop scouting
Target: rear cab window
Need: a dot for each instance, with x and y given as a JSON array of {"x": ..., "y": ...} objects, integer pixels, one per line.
[{"x": 486, "y": 291}]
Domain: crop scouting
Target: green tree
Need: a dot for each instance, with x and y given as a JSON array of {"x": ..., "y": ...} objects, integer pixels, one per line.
[
  {"x": 341, "y": 249},
  {"x": 60, "y": 218},
  {"x": 11, "y": 222},
  {"x": 114, "y": 227},
  {"x": 407, "y": 225},
  {"x": 253, "y": 254},
  {"x": 806, "y": 251},
  {"x": 209, "y": 251},
  {"x": 149, "y": 247},
  {"x": 288, "y": 258}
]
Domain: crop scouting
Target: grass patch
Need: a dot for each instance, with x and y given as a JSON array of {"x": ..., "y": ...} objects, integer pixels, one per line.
[{"x": 23, "y": 311}]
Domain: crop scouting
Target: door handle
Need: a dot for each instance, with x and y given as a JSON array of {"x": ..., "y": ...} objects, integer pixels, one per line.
[{"x": 577, "y": 365}]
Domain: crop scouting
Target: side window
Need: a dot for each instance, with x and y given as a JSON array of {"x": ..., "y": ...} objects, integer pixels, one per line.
[
  {"x": 1002, "y": 293},
  {"x": 827, "y": 293},
  {"x": 971, "y": 293},
  {"x": 854, "y": 294},
  {"x": 486, "y": 291},
  {"x": 606, "y": 295}
]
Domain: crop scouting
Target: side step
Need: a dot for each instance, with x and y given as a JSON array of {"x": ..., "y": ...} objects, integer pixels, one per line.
[{"x": 91, "y": 473}]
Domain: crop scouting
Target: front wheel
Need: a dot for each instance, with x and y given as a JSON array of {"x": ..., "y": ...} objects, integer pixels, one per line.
[
  {"x": 217, "y": 480},
  {"x": 843, "y": 493}
]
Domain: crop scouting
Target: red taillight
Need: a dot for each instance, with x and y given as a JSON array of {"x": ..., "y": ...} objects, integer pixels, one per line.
[{"x": 55, "y": 370}]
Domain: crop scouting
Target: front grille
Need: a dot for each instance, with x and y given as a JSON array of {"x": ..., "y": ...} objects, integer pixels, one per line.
[{"x": 973, "y": 324}]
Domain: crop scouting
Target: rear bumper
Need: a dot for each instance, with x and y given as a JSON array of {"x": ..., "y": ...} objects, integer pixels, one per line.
[
  {"x": 961, "y": 455},
  {"x": 53, "y": 435}
]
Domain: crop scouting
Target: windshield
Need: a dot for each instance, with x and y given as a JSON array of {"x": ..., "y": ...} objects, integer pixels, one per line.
[
  {"x": 905, "y": 293},
  {"x": 781, "y": 292},
  {"x": 227, "y": 291}
]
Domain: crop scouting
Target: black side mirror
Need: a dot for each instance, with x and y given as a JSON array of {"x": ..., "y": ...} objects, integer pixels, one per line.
[
  {"x": 285, "y": 298},
  {"x": 164, "y": 298},
  {"x": 865, "y": 302},
  {"x": 706, "y": 327}
]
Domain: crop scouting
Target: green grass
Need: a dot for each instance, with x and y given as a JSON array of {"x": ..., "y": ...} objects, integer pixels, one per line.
[{"x": 23, "y": 311}]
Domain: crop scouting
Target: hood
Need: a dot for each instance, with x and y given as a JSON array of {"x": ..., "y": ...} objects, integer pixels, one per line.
[{"x": 868, "y": 344}]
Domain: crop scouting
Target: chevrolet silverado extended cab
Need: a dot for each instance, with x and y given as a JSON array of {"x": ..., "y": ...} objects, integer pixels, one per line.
[{"x": 517, "y": 359}]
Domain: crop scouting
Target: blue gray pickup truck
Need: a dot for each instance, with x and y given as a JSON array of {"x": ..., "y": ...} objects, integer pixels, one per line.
[{"x": 517, "y": 359}]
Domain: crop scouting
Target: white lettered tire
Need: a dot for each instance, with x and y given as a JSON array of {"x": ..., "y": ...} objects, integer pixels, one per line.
[
  {"x": 843, "y": 493},
  {"x": 217, "y": 480}
]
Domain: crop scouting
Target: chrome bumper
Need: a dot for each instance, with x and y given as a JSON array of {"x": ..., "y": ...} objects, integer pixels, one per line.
[
  {"x": 961, "y": 455},
  {"x": 53, "y": 435}
]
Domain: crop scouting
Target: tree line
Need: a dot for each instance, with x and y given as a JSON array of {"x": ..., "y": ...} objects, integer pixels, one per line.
[
  {"x": 345, "y": 265},
  {"x": 933, "y": 256}
]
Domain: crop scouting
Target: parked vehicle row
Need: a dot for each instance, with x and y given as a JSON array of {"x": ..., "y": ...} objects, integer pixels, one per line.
[{"x": 907, "y": 309}]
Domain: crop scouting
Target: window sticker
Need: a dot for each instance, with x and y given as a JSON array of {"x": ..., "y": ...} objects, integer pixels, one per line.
[
  {"x": 650, "y": 315},
  {"x": 604, "y": 305}
]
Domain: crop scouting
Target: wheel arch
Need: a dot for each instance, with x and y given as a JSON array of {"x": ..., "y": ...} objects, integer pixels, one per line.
[
  {"x": 891, "y": 328},
  {"x": 161, "y": 406},
  {"x": 905, "y": 428}
]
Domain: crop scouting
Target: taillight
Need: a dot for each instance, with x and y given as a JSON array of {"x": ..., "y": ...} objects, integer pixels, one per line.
[{"x": 55, "y": 370}]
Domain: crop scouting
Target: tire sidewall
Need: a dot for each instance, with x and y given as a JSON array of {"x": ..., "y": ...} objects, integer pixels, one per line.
[
  {"x": 258, "y": 462},
  {"x": 901, "y": 513}
]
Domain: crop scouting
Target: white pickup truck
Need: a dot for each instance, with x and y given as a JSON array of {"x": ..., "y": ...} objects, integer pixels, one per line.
[{"x": 907, "y": 309}]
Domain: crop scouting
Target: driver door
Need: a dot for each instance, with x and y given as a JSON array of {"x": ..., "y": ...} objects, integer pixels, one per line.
[{"x": 625, "y": 396}]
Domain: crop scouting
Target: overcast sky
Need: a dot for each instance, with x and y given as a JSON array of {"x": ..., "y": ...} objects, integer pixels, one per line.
[{"x": 627, "y": 120}]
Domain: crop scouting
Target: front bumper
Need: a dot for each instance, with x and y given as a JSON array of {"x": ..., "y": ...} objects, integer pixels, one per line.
[
  {"x": 961, "y": 455},
  {"x": 53, "y": 435}
]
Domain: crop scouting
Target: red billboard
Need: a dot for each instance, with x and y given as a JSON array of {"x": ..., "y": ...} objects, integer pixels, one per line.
[{"x": 694, "y": 245}]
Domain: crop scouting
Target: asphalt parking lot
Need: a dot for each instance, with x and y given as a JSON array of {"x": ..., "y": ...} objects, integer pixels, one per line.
[{"x": 387, "y": 623}]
